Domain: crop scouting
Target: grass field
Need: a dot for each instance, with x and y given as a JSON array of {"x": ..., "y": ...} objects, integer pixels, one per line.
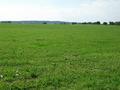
[{"x": 59, "y": 57}]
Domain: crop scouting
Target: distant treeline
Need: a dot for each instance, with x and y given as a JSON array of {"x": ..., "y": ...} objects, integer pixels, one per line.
[
  {"x": 6, "y": 22},
  {"x": 61, "y": 22},
  {"x": 98, "y": 23}
]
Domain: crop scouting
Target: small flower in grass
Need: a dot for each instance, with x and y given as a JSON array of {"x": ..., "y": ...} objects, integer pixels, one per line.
[
  {"x": 1, "y": 76},
  {"x": 17, "y": 71},
  {"x": 16, "y": 74}
]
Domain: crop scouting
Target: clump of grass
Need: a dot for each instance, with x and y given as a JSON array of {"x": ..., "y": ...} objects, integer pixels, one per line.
[{"x": 34, "y": 75}]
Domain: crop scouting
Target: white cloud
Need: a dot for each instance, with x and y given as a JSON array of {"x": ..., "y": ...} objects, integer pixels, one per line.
[
  {"x": 102, "y": 10},
  {"x": 98, "y": 10}
]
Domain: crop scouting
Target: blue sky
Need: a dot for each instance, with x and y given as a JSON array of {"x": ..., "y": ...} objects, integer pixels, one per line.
[{"x": 63, "y": 10}]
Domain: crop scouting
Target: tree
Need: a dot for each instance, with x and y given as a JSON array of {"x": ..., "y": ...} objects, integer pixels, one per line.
[
  {"x": 44, "y": 22},
  {"x": 6, "y": 21},
  {"x": 111, "y": 23},
  {"x": 89, "y": 23},
  {"x": 74, "y": 23},
  {"x": 117, "y": 23},
  {"x": 98, "y": 22},
  {"x": 105, "y": 23},
  {"x": 84, "y": 23}
]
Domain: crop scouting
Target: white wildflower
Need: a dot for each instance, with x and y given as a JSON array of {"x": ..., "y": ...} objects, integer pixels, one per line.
[
  {"x": 1, "y": 76},
  {"x": 17, "y": 74}
]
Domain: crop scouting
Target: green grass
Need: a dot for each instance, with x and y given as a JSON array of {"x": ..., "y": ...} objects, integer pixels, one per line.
[{"x": 59, "y": 57}]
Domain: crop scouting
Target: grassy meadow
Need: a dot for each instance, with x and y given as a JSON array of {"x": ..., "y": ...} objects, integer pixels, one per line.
[{"x": 59, "y": 57}]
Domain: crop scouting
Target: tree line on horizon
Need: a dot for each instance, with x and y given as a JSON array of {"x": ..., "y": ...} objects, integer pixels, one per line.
[
  {"x": 96, "y": 23},
  {"x": 99, "y": 23}
]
